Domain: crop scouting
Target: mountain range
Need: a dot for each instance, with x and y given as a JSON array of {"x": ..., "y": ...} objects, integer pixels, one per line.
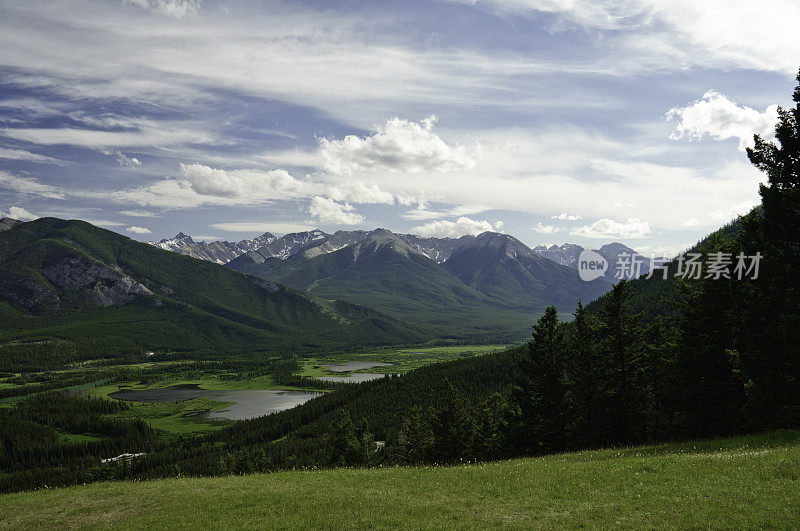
[
  {"x": 467, "y": 285},
  {"x": 87, "y": 292},
  {"x": 312, "y": 288},
  {"x": 439, "y": 250}
]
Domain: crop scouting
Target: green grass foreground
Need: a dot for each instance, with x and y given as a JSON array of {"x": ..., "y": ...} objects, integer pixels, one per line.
[{"x": 741, "y": 482}]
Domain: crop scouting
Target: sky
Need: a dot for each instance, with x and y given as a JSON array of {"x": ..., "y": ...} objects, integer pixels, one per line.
[{"x": 551, "y": 120}]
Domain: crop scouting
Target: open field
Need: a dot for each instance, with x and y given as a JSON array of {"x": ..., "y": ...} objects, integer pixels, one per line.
[
  {"x": 177, "y": 417},
  {"x": 740, "y": 482},
  {"x": 403, "y": 360}
]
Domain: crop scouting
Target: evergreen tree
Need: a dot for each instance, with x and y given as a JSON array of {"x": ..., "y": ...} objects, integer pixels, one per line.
[
  {"x": 657, "y": 381},
  {"x": 491, "y": 437},
  {"x": 767, "y": 351},
  {"x": 416, "y": 436},
  {"x": 453, "y": 426},
  {"x": 582, "y": 371},
  {"x": 541, "y": 393},
  {"x": 620, "y": 351},
  {"x": 348, "y": 444}
]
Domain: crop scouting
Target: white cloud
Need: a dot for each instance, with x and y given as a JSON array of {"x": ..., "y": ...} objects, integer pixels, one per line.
[
  {"x": 329, "y": 211},
  {"x": 199, "y": 184},
  {"x": 545, "y": 229},
  {"x": 145, "y": 134},
  {"x": 19, "y": 213},
  {"x": 102, "y": 222},
  {"x": 294, "y": 157},
  {"x": 399, "y": 145},
  {"x": 172, "y": 8},
  {"x": 360, "y": 192},
  {"x": 169, "y": 194},
  {"x": 453, "y": 229},
  {"x": 720, "y": 118},
  {"x": 663, "y": 251},
  {"x": 275, "y": 227},
  {"x": 608, "y": 228},
  {"x": 682, "y": 33},
  {"x": 422, "y": 212},
  {"x": 243, "y": 184},
  {"x": 123, "y": 159},
  {"x": 690, "y": 223},
  {"x": 724, "y": 216},
  {"x": 138, "y": 230},
  {"x": 139, "y": 213},
  {"x": 568, "y": 217},
  {"x": 21, "y": 154}
]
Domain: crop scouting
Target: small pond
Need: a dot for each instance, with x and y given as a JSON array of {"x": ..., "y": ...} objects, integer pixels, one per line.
[
  {"x": 351, "y": 366},
  {"x": 353, "y": 378}
]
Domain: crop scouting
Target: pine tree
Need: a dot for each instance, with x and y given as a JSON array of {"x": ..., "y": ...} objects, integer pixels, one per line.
[
  {"x": 620, "y": 351},
  {"x": 582, "y": 371},
  {"x": 541, "y": 391},
  {"x": 416, "y": 436},
  {"x": 767, "y": 350},
  {"x": 453, "y": 426}
]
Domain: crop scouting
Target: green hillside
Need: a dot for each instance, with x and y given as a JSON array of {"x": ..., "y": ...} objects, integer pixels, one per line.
[
  {"x": 742, "y": 482},
  {"x": 88, "y": 292}
]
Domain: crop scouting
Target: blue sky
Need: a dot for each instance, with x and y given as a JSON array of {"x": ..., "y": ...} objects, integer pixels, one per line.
[{"x": 553, "y": 120}]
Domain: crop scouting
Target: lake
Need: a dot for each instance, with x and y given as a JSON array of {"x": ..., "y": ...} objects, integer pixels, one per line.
[
  {"x": 354, "y": 366},
  {"x": 250, "y": 403}
]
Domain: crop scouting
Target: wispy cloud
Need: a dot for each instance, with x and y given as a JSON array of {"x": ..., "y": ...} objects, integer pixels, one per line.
[{"x": 276, "y": 227}]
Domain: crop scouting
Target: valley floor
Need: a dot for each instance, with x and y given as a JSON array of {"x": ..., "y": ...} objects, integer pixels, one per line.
[{"x": 741, "y": 482}]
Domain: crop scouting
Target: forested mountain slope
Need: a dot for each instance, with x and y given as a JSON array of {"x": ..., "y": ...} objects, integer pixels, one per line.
[
  {"x": 80, "y": 287},
  {"x": 480, "y": 287}
]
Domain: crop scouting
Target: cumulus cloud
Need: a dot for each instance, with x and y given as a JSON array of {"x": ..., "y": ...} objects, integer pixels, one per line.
[
  {"x": 608, "y": 228},
  {"x": 545, "y": 229},
  {"x": 464, "y": 226},
  {"x": 329, "y": 211},
  {"x": 138, "y": 230},
  {"x": 19, "y": 213},
  {"x": 123, "y": 159},
  {"x": 360, "y": 192},
  {"x": 691, "y": 222},
  {"x": 398, "y": 145},
  {"x": 568, "y": 217},
  {"x": 172, "y": 8},
  {"x": 199, "y": 184},
  {"x": 243, "y": 184},
  {"x": 720, "y": 118}
]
